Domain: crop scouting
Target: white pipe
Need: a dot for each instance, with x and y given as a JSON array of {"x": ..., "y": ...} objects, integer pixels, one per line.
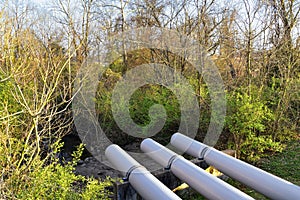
[
  {"x": 138, "y": 176},
  {"x": 208, "y": 185},
  {"x": 261, "y": 181}
]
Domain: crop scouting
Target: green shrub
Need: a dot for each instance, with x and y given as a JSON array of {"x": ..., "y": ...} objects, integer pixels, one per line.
[
  {"x": 140, "y": 103},
  {"x": 53, "y": 181},
  {"x": 24, "y": 174},
  {"x": 283, "y": 100},
  {"x": 247, "y": 119},
  {"x": 96, "y": 190},
  {"x": 255, "y": 147},
  {"x": 142, "y": 100}
]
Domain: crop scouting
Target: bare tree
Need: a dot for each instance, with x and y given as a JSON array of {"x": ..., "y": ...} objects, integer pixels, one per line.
[
  {"x": 38, "y": 98},
  {"x": 285, "y": 59}
]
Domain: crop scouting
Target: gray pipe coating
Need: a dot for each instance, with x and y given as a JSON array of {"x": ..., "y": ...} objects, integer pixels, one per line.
[
  {"x": 261, "y": 181},
  {"x": 139, "y": 177},
  {"x": 206, "y": 184}
]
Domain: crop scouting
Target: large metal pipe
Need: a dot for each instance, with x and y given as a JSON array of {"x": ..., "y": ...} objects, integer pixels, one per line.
[
  {"x": 209, "y": 186},
  {"x": 261, "y": 181},
  {"x": 138, "y": 176}
]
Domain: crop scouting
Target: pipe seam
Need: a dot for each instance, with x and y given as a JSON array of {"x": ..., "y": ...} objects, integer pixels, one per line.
[
  {"x": 170, "y": 162},
  {"x": 202, "y": 153},
  {"x": 130, "y": 170}
]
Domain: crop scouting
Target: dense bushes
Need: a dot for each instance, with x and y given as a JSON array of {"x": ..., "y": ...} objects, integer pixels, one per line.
[
  {"x": 248, "y": 120},
  {"x": 35, "y": 95},
  {"x": 51, "y": 180},
  {"x": 252, "y": 111},
  {"x": 41, "y": 52},
  {"x": 140, "y": 103},
  {"x": 27, "y": 173},
  {"x": 143, "y": 98}
]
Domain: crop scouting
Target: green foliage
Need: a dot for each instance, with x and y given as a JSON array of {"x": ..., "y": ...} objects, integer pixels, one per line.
[
  {"x": 247, "y": 120},
  {"x": 139, "y": 106},
  {"x": 255, "y": 147},
  {"x": 6, "y": 98},
  {"x": 283, "y": 99},
  {"x": 142, "y": 100},
  {"x": 9, "y": 107},
  {"x": 247, "y": 115},
  {"x": 37, "y": 76},
  {"x": 54, "y": 181},
  {"x": 96, "y": 190}
]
